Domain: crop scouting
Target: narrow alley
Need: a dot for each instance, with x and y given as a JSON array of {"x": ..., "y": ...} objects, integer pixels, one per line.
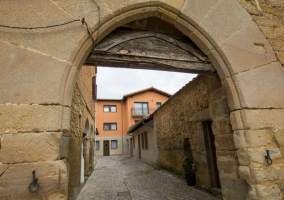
[{"x": 122, "y": 177}]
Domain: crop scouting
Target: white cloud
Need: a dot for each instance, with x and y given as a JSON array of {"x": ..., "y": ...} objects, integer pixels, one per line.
[{"x": 113, "y": 83}]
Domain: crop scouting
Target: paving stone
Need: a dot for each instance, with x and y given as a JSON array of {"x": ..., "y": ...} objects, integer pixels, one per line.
[{"x": 135, "y": 180}]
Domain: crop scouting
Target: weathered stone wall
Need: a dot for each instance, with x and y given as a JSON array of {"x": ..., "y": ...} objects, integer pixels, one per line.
[
  {"x": 269, "y": 16},
  {"x": 181, "y": 117},
  {"x": 81, "y": 111},
  {"x": 173, "y": 120}
]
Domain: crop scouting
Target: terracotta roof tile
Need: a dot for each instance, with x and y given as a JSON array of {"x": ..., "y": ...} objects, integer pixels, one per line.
[{"x": 146, "y": 90}]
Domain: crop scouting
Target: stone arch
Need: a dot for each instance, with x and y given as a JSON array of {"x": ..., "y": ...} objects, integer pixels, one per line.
[
  {"x": 87, "y": 128},
  {"x": 240, "y": 53}
]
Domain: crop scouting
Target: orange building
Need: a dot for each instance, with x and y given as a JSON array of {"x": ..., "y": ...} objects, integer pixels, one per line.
[{"x": 115, "y": 116}]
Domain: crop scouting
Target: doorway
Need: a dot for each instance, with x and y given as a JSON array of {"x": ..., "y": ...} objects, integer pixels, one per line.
[
  {"x": 131, "y": 147},
  {"x": 210, "y": 148},
  {"x": 139, "y": 147},
  {"x": 106, "y": 148}
]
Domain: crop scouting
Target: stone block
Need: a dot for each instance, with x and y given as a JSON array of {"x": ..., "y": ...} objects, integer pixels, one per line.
[
  {"x": 257, "y": 155},
  {"x": 49, "y": 41},
  {"x": 243, "y": 158},
  {"x": 246, "y": 49},
  {"x": 64, "y": 145},
  {"x": 226, "y": 154},
  {"x": 86, "y": 9},
  {"x": 252, "y": 139},
  {"x": 30, "y": 147},
  {"x": 244, "y": 172},
  {"x": 261, "y": 87},
  {"x": 269, "y": 173},
  {"x": 257, "y": 119},
  {"x": 232, "y": 94},
  {"x": 119, "y": 6},
  {"x": 70, "y": 85},
  {"x": 174, "y": 5},
  {"x": 196, "y": 11},
  {"x": 236, "y": 189},
  {"x": 52, "y": 178},
  {"x": 219, "y": 108},
  {"x": 30, "y": 118},
  {"x": 280, "y": 56},
  {"x": 279, "y": 136},
  {"x": 221, "y": 126},
  {"x": 223, "y": 20},
  {"x": 184, "y": 27},
  {"x": 219, "y": 64},
  {"x": 224, "y": 142},
  {"x": 228, "y": 167},
  {"x": 169, "y": 17},
  {"x": 269, "y": 192},
  {"x": 24, "y": 74},
  {"x": 201, "y": 41}
]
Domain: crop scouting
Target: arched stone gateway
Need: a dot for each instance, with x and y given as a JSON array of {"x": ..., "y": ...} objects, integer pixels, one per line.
[{"x": 39, "y": 67}]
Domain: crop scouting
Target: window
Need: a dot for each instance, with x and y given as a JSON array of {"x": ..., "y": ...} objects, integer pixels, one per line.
[
  {"x": 109, "y": 108},
  {"x": 141, "y": 108},
  {"x": 97, "y": 145},
  {"x": 114, "y": 144},
  {"x": 144, "y": 138},
  {"x": 110, "y": 126},
  {"x": 158, "y": 104}
]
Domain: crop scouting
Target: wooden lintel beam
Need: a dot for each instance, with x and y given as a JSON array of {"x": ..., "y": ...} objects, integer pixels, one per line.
[{"x": 122, "y": 61}]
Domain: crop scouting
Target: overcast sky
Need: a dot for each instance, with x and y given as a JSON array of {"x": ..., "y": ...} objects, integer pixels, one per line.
[{"x": 113, "y": 83}]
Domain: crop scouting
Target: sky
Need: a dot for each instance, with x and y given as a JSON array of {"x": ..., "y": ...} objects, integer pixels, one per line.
[{"x": 113, "y": 83}]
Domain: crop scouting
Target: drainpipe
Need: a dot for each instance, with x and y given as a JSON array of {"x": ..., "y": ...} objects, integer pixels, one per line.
[{"x": 122, "y": 126}]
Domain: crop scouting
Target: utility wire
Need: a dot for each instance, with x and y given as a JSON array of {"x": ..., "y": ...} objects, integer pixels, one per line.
[
  {"x": 62, "y": 24},
  {"x": 40, "y": 27}
]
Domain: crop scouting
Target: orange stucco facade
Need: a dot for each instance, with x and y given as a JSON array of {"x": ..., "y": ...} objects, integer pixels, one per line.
[{"x": 120, "y": 114}]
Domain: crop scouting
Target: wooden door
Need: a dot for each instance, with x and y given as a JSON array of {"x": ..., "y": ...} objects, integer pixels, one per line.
[
  {"x": 106, "y": 148},
  {"x": 211, "y": 154}
]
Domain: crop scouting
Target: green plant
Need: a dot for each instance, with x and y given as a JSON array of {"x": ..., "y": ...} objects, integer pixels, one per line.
[{"x": 188, "y": 165}]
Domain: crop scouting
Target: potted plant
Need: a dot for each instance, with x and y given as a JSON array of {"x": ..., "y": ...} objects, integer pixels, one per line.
[{"x": 189, "y": 169}]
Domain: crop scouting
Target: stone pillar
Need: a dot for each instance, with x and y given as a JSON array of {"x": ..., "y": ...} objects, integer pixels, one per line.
[{"x": 233, "y": 187}]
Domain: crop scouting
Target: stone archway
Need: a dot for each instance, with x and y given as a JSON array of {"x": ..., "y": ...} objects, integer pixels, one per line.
[{"x": 48, "y": 61}]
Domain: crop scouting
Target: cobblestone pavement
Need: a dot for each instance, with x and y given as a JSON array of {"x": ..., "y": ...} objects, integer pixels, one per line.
[{"x": 122, "y": 177}]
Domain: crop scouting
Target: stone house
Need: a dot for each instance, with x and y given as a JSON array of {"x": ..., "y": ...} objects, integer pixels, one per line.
[
  {"x": 115, "y": 116},
  {"x": 80, "y": 149}
]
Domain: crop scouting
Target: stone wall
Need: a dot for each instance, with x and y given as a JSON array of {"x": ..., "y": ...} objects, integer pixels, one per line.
[
  {"x": 185, "y": 116},
  {"x": 269, "y": 16},
  {"x": 82, "y": 109}
]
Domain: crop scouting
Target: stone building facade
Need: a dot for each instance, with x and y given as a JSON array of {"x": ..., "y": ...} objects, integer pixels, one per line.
[
  {"x": 195, "y": 122},
  {"x": 39, "y": 68},
  {"x": 81, "y": 156}
]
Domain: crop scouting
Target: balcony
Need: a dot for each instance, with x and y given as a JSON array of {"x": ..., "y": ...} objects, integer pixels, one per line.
[{"x": 139, "y": 112}]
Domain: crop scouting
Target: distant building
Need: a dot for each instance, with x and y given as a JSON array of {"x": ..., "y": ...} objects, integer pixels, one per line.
[{"x": 115, "y": 116}]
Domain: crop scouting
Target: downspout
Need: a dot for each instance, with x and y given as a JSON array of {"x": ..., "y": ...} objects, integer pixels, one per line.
[{"x": 122, "y": 126}]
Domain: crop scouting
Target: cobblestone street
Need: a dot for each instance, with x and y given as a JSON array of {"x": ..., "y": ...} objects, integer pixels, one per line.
[{"x": 122, "y": 177}]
